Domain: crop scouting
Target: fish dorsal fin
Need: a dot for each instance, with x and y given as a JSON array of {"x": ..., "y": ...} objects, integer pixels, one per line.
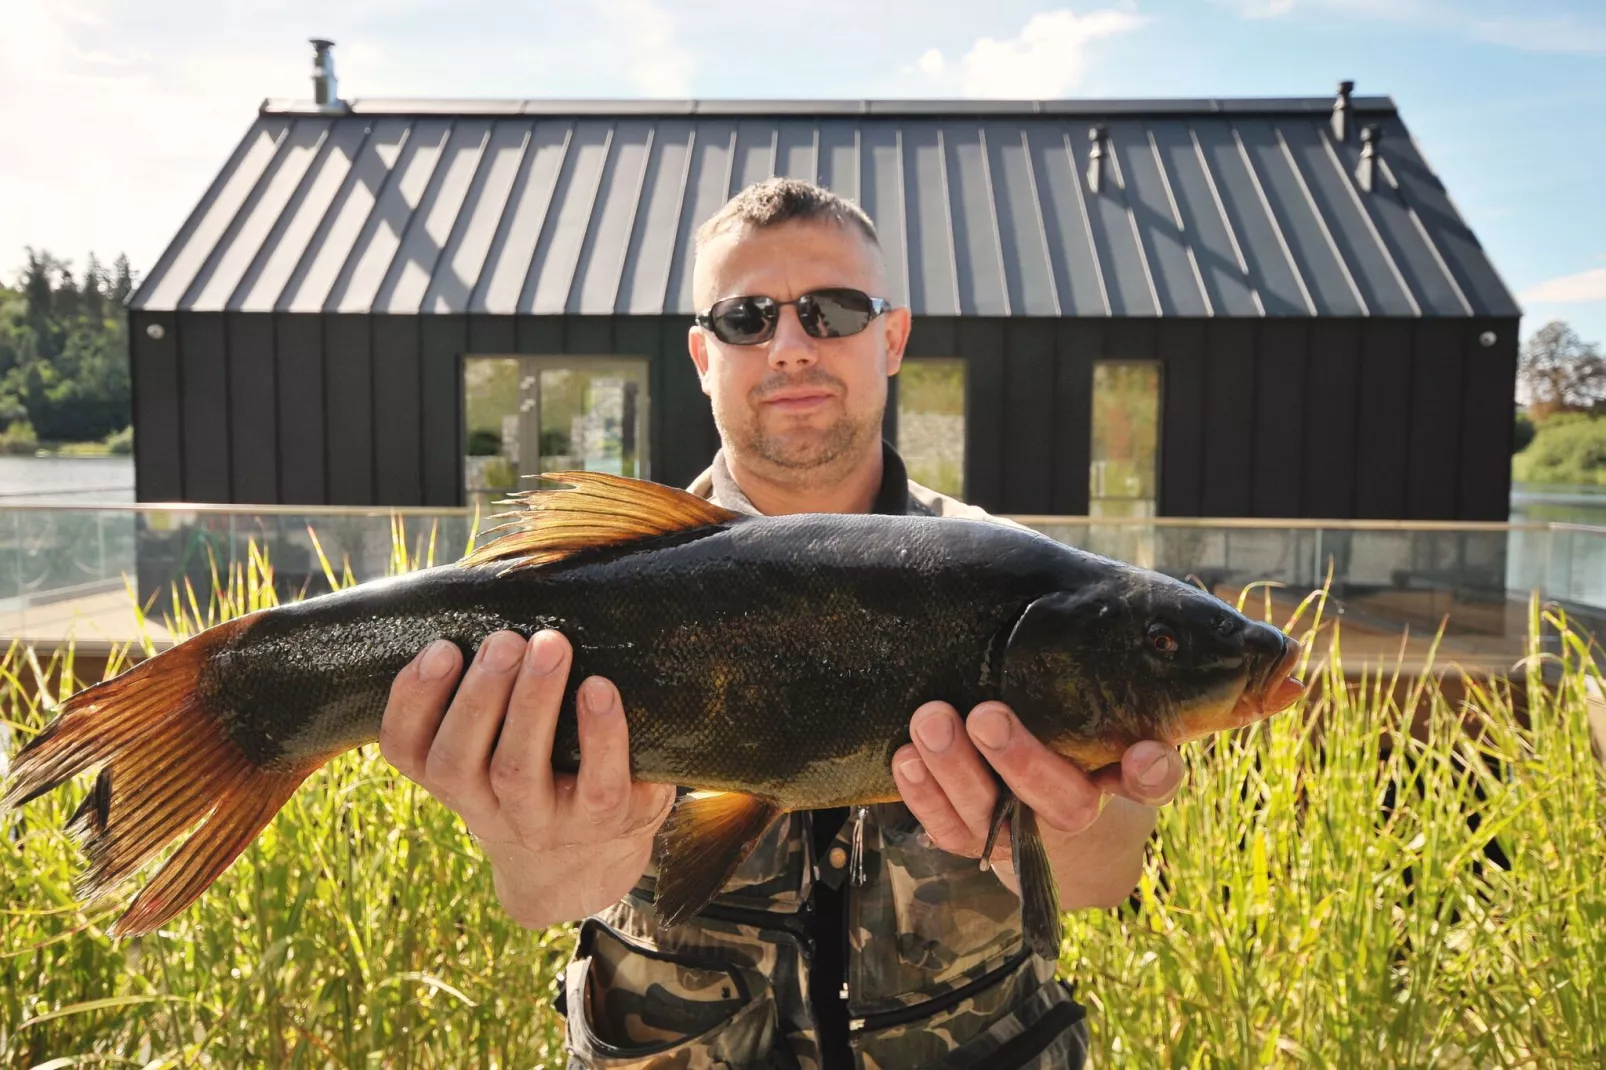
[{"x": 592, "y": 510}]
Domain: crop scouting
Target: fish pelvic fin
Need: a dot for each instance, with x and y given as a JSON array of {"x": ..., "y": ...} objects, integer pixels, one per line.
[
  {"x": 703, "y": 842},
  {"x": 593, "y": 510},
  {"x": 1039, "y": 893},
  {"x": 167, "y": 765}
]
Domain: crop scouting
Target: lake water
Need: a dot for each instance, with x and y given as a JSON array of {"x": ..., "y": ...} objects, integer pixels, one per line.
[{"x": 78, "y": 480}]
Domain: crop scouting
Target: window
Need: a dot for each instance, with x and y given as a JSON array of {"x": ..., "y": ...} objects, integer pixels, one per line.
[
  {"x": 931, "y": 423},
  {"x": 527, "y": 415},
  {"x": 1122, "y": 478}
]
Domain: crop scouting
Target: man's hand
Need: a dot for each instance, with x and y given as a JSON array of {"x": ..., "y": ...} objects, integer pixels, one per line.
[
  {"x": 561, "y": 846},
  {"x": 947, "y": 779}
]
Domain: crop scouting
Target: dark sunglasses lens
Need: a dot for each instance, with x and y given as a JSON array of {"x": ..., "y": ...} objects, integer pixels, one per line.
[
  {"x": 743, "y": 320},
  {"x": 835, "y": 313}
]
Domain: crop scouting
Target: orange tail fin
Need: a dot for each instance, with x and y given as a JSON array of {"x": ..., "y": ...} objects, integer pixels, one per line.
[{"x": 167, "y": 764}]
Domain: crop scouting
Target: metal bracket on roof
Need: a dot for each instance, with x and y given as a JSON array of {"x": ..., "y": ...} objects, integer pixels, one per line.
[
  {"x": 1366, "y": 171},
  {"x": 1343, "y": 111},
  {"x": 1099, "y": 135}
]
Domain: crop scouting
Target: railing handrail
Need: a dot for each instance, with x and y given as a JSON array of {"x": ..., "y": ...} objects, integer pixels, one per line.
[{"x": 1029, "y": 519}]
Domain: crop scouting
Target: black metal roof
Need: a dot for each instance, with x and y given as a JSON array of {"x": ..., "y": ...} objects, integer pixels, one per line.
[{"x": 1202, "y": 207}]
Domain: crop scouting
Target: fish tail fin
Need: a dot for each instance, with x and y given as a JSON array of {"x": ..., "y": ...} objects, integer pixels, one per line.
[{"x": 167, "y": 765}]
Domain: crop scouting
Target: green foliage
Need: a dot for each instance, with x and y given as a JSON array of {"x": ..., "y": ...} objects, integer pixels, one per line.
[
  {"x": 18, "y": 437},
  {"x": 1569, "y": 447},
  {"x": 484, "y": 442},
  {"x": 1523, "y": 433},
  {"x": 121, "y": 442},
  {"x": 64, "y": 349}
]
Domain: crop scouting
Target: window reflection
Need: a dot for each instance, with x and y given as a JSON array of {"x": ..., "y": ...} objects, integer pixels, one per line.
[
  {"x": 1122, "y": 478},
  {"x": 931, "y": 422}
]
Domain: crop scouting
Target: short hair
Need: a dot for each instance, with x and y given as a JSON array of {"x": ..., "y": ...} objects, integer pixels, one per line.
[{"x": 784, "y": 200}]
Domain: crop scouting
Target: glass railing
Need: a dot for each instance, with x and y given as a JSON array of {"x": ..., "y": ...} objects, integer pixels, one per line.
[{"x": 78, "y": 570}]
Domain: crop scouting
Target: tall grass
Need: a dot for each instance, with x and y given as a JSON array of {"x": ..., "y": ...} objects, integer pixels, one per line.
[{"x": 1329, "y": 890}]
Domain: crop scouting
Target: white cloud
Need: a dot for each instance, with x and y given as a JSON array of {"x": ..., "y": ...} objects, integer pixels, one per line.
[
  {"x": 1535, "y": 30},
  {"x": 1568, "y": 289},
  {"x": 1046, "y": 59}
]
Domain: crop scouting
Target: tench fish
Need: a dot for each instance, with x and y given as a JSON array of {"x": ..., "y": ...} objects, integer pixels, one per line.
[{"x": 772, "y": 663}]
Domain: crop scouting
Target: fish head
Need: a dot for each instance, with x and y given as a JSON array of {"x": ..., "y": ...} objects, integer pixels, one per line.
[{"x": 1138, "y": 655}]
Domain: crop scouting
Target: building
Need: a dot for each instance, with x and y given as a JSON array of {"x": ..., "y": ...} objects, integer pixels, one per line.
[{"x": 1195, "y": 307}]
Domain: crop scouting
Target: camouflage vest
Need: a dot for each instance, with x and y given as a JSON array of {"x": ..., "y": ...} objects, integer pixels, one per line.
[{"x": 937, "y": 974}]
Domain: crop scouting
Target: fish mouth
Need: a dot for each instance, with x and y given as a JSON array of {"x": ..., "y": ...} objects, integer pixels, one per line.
[{"x": 1277, "y": 690}]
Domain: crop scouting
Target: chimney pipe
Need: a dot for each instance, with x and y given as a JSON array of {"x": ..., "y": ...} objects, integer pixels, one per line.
[
  {"x": 1099, "y": 135},
  {"x": 1366, "y": 173},
  {"x": 1343, "y": 111},
  {"x": 325, "y": 90}
]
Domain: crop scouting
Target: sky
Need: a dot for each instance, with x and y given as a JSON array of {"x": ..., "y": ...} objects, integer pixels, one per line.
[{"x": 115, "y": 115}]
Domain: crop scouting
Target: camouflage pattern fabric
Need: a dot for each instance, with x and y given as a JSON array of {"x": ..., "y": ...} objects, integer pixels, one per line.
[{"x": 937, "y": 972}]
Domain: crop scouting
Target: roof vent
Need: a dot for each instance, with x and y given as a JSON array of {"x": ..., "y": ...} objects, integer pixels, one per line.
[
  {"x": 1099, "y": 135},
  {"x": 325, "y": 91},
  {"x": 1366, "y": 173},
  {"x": 1342, "y": 111}
]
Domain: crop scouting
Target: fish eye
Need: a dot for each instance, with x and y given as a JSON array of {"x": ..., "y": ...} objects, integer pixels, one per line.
[
  {"x": 1224, "y": 625},
  {"x": 1161, "y": 639}
]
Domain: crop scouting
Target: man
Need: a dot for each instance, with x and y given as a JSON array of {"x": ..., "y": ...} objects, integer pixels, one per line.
[{"x": 793, "y": 964}]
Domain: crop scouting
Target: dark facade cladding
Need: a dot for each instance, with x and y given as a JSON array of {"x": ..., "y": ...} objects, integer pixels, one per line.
[{"x": 1333, "y": 343}]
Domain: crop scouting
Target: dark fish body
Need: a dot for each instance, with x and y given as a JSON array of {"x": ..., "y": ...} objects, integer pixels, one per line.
[{"x": 774, "y": 660}]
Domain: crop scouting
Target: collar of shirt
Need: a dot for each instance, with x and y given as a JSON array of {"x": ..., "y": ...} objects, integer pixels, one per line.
[{"x": 892, "y": 498}]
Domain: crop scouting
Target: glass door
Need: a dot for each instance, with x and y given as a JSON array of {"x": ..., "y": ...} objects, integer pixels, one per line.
[
  {"x": 1123, "y": 478},
  {"x": 528, "y": 415}
]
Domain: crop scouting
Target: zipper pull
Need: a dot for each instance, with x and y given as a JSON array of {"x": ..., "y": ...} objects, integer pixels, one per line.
[{"x": 856, "y": 865}]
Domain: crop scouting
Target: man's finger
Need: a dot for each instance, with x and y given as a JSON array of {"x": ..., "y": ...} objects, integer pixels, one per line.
[
  {"x": 521, "y": 767},
  {"x": 1063, "y": 796},
  {"x": 956, "y": 766},
  {"x": 929, "y": 805},
  {"x": 417, "y": 703},
  {"x": 602, "y": 786},
  {"x": 1150, "y": 773},
  {"x": 459, "y": 760}
]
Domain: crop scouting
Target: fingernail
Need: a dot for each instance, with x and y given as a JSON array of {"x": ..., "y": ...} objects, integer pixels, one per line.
[
  {"x": 935, "y": 730},
  {"x": 913, "y": 770},
  {"x": 596, "y": 696},
  {"x": 1159, "y": 772},
  {"x": 990, "y": 727},
  {"x": 500, "y": 653},
  {"x": 437, "y": 660},
  {"x": 545, "y": 653}
]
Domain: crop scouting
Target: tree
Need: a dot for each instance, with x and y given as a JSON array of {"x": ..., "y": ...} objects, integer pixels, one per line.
[{"x": 1560, "y": 372}]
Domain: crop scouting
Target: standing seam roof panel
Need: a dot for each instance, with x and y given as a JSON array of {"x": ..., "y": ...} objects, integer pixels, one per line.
[
  {"x": 1021, "y": 231},
  {"x": 1078, "y": 278},
  {"x": 1121, "y": 262},
  {"x": 645, "y": 272},
  {"x": 1249, "y": 220},
  {"x": 513, "y": 248},
  {"x": 335, "y": 240},
  {"x": 882, "y": 194},
  {"x": 1226, "y": 284},
  {"x": 1176, "y": 283},
  {"x": 557, "y": 254},
  {"x": 755, "y": 154},
  {"x": 602, "y": 257},
  {"x": 262, "y": 213},
  {"x": 464, "y": 258},
  {"x": 837, "y": 161},
  {"x": 275, "y": 263},
  {"x": 423, "y": 246},
  {"x": 204, "y": 235},
  {"x": 933, "y": 283},
  {"x": 978, "y": 259},
  {"x": 357, "y": 287},
  {"x": 795, "y": 149}
]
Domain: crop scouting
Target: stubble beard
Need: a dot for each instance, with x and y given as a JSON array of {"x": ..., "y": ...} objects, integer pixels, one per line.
[{"x": 803, "y": 456}]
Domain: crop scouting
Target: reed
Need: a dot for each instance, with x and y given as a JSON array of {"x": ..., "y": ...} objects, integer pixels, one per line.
[{"x": 1329, "y": 890}]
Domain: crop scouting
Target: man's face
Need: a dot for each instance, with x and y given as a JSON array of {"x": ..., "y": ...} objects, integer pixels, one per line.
[{"x": 796, "y": 402}]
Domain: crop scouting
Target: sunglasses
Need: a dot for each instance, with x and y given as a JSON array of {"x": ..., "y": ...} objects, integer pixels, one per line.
[{"x": 834, "y": 313}]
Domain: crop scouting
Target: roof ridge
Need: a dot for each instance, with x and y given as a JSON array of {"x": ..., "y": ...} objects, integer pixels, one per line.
[{"x": 901, "y": 108}]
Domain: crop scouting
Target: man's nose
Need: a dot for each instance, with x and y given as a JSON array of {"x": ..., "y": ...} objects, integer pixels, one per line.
[{"x": 792, "y": 347}]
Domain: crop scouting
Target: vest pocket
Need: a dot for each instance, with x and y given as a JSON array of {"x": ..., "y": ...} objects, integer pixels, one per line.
[{"x": 631, "y": 1008}]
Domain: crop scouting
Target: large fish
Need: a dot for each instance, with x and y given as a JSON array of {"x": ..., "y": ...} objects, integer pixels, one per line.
[{"x": 772, "y": 662}]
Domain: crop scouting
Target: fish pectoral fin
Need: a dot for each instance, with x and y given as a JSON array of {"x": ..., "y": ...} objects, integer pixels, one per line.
[
  {"x": 593, "y": 510},
  {"x": 1039, "y": 894},
  {"x": 1002, "y": 809},
  {"x": 702, "y": 843}
]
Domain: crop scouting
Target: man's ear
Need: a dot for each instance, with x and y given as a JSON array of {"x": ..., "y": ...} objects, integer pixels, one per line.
[
  {"x": 898, "y": 326},
  {"x": 697, "y": 346}
]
